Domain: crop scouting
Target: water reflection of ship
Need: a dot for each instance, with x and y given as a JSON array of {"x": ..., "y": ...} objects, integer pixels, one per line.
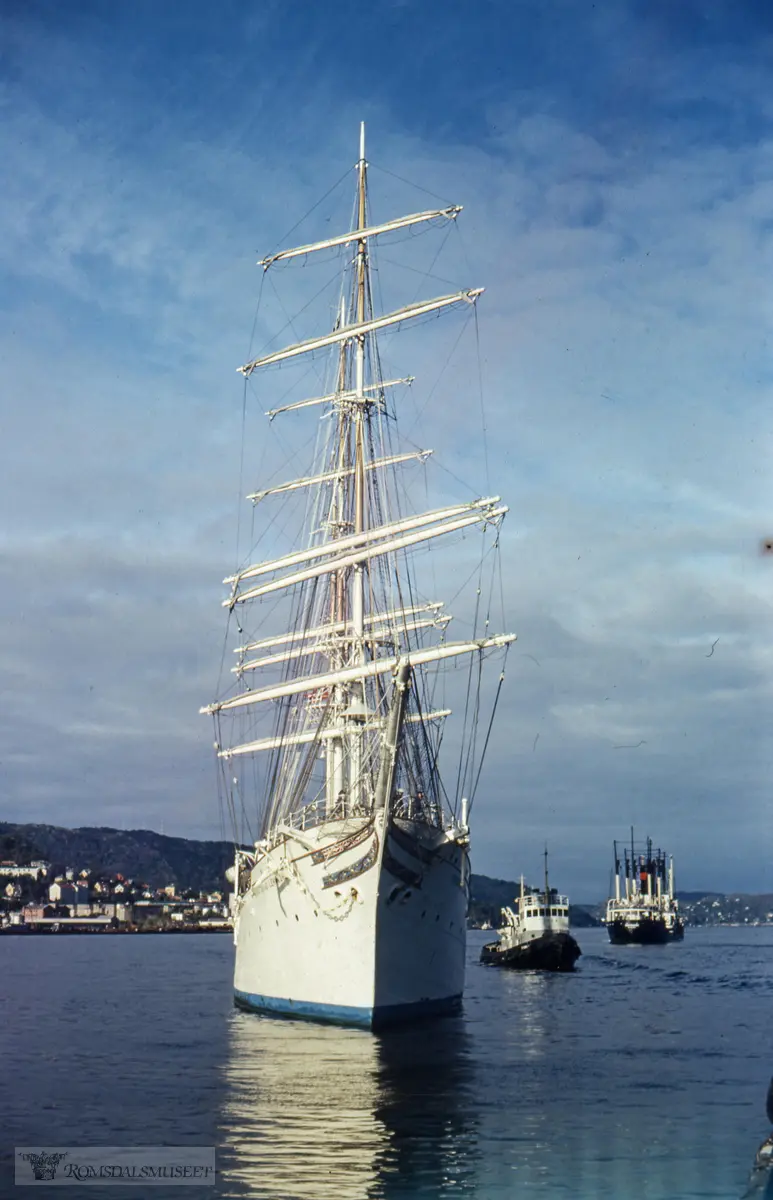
[
  {"x": 298, "y": 1117},
  {"x": 316, "y": 1111},
  {"x": 425, "y": 1101},
  {"x": 533, "y": 1003}
]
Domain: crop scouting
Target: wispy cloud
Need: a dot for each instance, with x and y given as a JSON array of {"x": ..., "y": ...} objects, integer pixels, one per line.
[{"x": 616, "y": 207}]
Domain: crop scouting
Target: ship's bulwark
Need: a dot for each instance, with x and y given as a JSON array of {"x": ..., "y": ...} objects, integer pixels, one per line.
[{"x": 369, "y": 936}]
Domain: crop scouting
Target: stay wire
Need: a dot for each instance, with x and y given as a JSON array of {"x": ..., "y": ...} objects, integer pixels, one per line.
[
  {"x": 488, "y": 731},
  {"x": 410, "y": 183},
  {"x": 436, "y": 384},
  {"x": 289, "y": 321},
  {"x": 313, "y": 208},
  {"x": 240, "y": 496},
  {"x": 469, "y": 762},
  {"x": 480, "y": 394},
  {"x": 465, "y": 745}
]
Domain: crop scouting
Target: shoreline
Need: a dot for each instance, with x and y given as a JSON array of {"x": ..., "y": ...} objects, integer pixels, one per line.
[{"x": 32, "y": 931}]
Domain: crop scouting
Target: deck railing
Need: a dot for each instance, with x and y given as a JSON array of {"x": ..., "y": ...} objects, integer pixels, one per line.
[{"x": 409, "y": 808}]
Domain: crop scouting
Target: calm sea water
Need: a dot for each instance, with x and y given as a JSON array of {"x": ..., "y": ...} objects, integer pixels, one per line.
[{"x": 642, "y": 1075}]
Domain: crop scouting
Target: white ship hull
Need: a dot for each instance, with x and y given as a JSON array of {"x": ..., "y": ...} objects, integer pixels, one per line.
[{"x": 374, "y": 934}]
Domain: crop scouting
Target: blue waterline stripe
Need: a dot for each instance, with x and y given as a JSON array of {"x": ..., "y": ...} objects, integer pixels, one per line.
[{"x": 344, "y": 1014}]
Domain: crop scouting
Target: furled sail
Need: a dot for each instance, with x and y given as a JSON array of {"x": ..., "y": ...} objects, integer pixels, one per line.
[
  {"x": 349, "y": 333},
  {"x": 354, "y": 674},
  {"x": 359, "y": 235}
]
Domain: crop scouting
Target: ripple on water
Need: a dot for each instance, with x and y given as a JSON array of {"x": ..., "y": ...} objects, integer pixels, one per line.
[{"x": 644, "y": 1073}]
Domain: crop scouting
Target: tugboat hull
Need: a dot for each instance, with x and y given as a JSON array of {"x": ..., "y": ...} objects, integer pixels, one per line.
[
  {"x": 551, "y": 952},
  {"x": 646, "y": 932}
]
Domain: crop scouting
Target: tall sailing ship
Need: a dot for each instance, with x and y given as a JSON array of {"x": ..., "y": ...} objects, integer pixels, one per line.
[
  {"x": 643, "y": 908},
  {"x": 350, "y": 897}
]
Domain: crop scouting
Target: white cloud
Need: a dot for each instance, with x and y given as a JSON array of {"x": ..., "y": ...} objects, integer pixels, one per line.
[{"x": 623, "y": 338}]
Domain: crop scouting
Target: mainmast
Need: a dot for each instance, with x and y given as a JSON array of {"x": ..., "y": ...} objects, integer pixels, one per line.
[
  {"x": 334, "y": 755},
  {"x": 357, "y": 695},
  {"x": 349, "y": 699}
]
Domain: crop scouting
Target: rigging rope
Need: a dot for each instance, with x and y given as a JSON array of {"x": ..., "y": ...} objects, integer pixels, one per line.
[
  {"x": 313, "y": 208},
  {"x": 410, "y": 183},
  {"x": 488, "y": 731},
  {"x": 480, "y": 393}
]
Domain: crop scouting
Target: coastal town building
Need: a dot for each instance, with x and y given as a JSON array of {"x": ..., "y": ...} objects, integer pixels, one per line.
[
  {"x": 63, "y": 892},
  {"x": 38, "y": 912},
  {"x": 34, "y": 870},
  {"x": 77, "y": 900}
]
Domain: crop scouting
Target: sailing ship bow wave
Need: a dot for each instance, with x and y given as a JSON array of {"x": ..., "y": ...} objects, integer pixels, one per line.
[{"x": 347, "y": 679}]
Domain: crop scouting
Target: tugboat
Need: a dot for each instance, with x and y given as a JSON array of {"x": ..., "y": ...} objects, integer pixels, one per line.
[
  {"x": 643, "y": 909},
  {"x": 534, "y": 937}
]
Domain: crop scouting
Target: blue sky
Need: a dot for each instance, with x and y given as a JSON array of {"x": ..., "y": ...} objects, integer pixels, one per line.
[{"x": 616, "y": 166}]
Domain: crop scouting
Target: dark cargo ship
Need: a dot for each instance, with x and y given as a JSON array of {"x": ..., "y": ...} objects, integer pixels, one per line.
[{"x": 643, "y": 909}]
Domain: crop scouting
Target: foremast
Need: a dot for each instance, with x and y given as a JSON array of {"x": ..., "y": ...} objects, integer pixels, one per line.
[
  {"x": 333, "y": 660},
  {"x": 357, "y": 712}
]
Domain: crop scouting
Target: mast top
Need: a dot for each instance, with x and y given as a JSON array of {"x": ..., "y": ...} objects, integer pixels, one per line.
[{"x": 362, "y": 141}]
